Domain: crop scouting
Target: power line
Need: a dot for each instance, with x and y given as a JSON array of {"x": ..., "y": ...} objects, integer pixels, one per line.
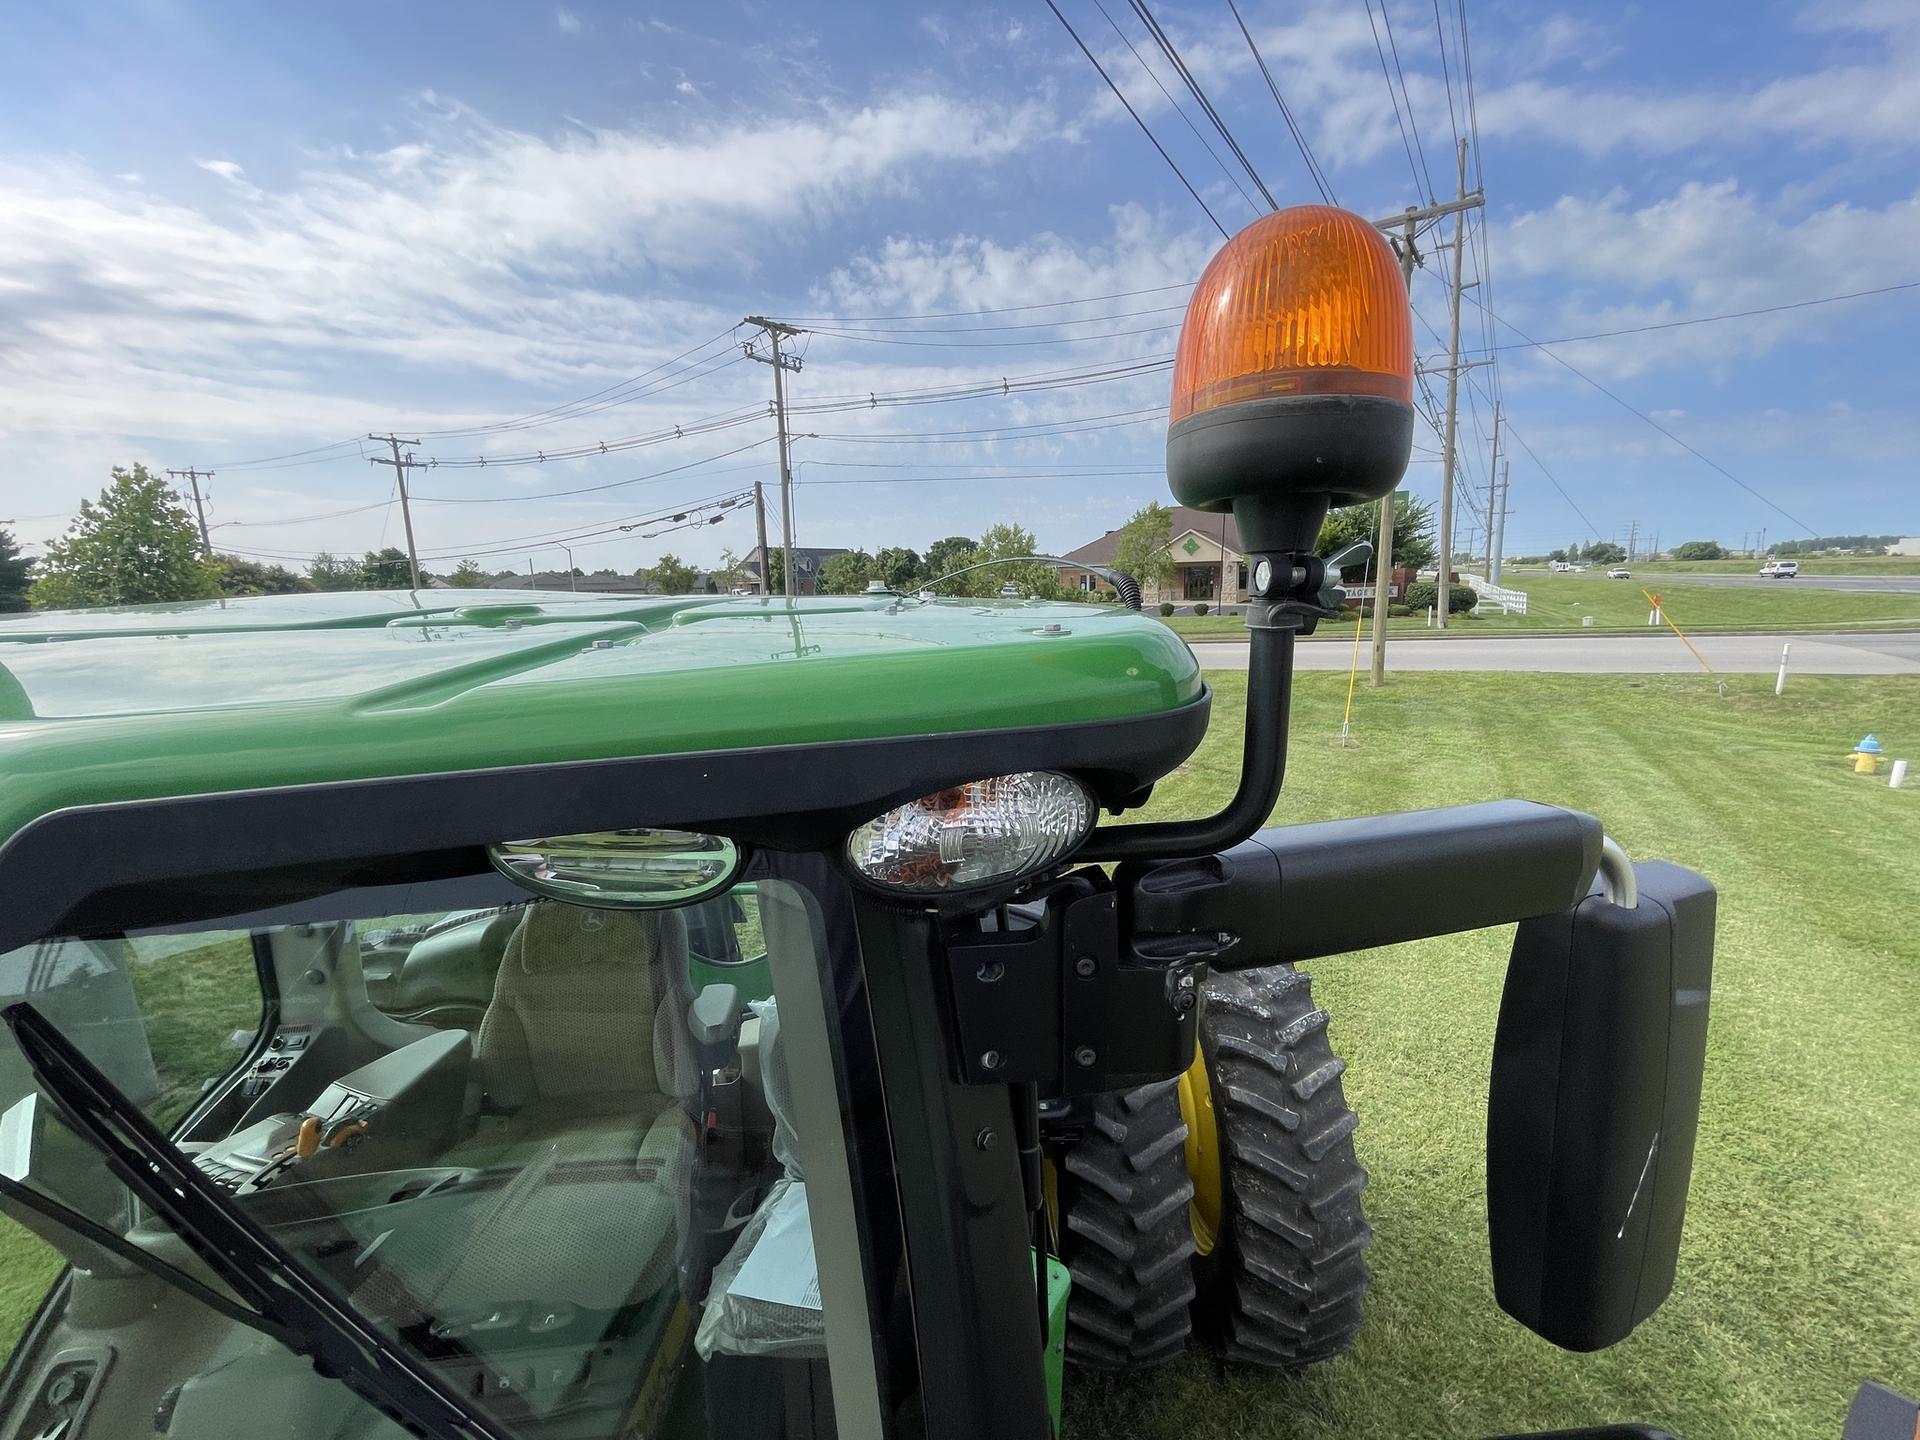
[
  {"x": 1172, "y": 52},
  {"x": 991, "y": 344},
  {"x": 1398, "y": 121},
  {"x": 842, "y": 327},
  {"x": 1592, "y": 529},
  {"x": 545, "y": 495},
  {"x": 1698, "y": 455},
  {"x": 1299, "y": 140},
  {"x": 1413, "y": 120},
  {"x": 1154, "y": 76},
  {"x": 1136, "y": 118},
  {"x": 1446, "y": 70},
  {"x": 1707, "y": 319},
  {"x": 998, "y": 310}
]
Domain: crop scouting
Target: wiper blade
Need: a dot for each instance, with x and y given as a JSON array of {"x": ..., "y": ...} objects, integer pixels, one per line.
[{"x": 316, "y": 1323}]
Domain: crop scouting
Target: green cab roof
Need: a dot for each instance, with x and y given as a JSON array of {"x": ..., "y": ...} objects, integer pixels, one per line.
[{"x": 144, "y": 702}]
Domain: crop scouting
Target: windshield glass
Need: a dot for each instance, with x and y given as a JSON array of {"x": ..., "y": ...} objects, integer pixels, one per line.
[{"x": 579, "y": 1165}]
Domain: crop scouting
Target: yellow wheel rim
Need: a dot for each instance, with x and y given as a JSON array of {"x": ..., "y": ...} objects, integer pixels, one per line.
[{"x": 1203, "y": 1154}]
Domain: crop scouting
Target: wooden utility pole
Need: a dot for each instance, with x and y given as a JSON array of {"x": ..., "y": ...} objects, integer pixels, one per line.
[
  {"x": 400, "y": 468},
  {"x": 775, "y": 332},
  {"x": 1442, "y": 605},
  {"x": 1406, "y": 224},
  {"x": 1500, "y": 521},
  {"x": 193, "y": 478},
  {"x": 1493, "y": 496},
  {"x": 760, "y": 531}
]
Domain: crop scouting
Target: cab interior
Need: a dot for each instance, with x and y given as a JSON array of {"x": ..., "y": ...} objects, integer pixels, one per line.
[{"x": 554, "y": 1151}]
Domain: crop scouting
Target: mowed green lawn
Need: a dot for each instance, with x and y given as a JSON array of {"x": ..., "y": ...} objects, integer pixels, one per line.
[
  {"x": 1800, "y": 1271},
  {"x": 1558, "y": 603}
]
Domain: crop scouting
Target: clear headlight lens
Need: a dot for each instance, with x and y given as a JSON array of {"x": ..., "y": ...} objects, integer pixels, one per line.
[{"x": 974, "y": 834}]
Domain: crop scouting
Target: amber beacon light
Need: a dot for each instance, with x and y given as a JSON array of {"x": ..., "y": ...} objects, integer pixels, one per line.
[{"x": 1293, "y": 382}]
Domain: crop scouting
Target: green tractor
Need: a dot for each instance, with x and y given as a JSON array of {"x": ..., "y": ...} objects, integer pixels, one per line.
[{"x": 472, "y": 1014}]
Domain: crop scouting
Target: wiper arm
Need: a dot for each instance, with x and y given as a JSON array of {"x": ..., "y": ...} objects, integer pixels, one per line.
[
  {"x": 316, "y": 1323},
  {"x": 92, "y": 1234}
]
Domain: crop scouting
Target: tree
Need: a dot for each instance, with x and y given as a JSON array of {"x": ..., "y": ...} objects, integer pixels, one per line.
[
  {"x": 1413, "y": 546},
  {"x": 729, "y": 574},
  {"x": 775, "y": 567},
  {"x": 16, "y": 574},
  {"x": 899, "y": 567},
  {"x": 1700, "y": 550},
  {"x": 468, "y": 575},
  {"x": 1603, "y": 552},
  {"x": 1142, "y": 550},
  {"x": 999, "y": 542},
  {"x": 671, "y": 575},
  {"x": 1558, "y": 557},
  {"x": 946, "y": 556},
  {"x": 327, "y": 572},
  {"x": 387, "y": 569},
  {"x": 135, "y": 545},
  {"x": 846, "y": 574},
  {"x": 237, "y": 575}
]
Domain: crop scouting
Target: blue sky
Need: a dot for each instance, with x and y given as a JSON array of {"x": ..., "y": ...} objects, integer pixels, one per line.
[{"x": 231, "y": 233}]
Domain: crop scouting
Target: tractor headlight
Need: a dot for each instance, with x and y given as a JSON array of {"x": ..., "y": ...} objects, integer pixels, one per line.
[{"x": 973, "y": 834}]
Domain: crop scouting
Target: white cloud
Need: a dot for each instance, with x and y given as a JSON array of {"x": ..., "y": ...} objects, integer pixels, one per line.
[
  {"x": 470, "y": 248},
  {"x": 566, "y": 21},
  {"x": 225, "y": 169},
  {"x": 687, "y": 87}
]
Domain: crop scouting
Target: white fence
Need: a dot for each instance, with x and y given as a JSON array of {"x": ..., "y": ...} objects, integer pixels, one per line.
[{"x": 1511, "y": 602}]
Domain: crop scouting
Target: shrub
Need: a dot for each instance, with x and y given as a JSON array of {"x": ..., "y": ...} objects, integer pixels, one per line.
[
  {"x": 1401, "y": 611},
  {"x": 1423, "y": 593},
  {"x": 1166, "y": 608},
  {"x": 1201, "y": 608}
]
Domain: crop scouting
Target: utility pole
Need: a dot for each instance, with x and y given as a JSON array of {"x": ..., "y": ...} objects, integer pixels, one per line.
[
  {"x": 760, "y": 530},
  {"x": 775, "y": 332},
  {"x": 400, "y": 468},
  {"x": 194, "y": 477},
  {"x": 1633, "y": 535},
  {"x": 1453, "y": 405},
  {"x": 1500, "y": 522},
  {"x": 1407, "y": 224},
  {"x": 1493, "y": 496}
]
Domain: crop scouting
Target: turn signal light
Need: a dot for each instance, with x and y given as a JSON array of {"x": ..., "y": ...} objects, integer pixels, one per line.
[{"x": 975, "y": 834}]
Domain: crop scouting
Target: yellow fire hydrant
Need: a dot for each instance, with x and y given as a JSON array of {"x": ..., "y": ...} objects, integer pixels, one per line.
[{"x": 1866, "y": 756}]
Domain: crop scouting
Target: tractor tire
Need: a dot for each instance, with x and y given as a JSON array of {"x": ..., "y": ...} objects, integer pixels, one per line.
[
  {"x": 1283, "y": 1285},
  {"x": 1126, "y": 1237}
]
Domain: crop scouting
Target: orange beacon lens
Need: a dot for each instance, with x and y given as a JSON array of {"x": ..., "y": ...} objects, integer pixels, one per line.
[{"x": 1293, "y": 382}]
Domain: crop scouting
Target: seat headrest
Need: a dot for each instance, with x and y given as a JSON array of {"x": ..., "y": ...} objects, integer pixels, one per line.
[{"x": 554, "y": 937}]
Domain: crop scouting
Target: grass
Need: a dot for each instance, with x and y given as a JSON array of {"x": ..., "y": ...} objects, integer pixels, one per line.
[
  {"x": 191, "y": 1001},
  {"x": 1560, "y": 603},
  {"x": 1800, "y": 1271}
]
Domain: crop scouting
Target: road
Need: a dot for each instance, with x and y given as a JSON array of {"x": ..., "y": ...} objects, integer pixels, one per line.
[
  {"x": 1896, "y": 653},
  {"x": 1879, "y": 584}
]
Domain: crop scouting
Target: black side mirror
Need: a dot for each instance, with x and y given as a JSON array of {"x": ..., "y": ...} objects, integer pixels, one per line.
[{"x": 1595, "y": 1101}]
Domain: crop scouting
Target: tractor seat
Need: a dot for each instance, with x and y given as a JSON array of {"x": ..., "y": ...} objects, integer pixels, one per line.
[{"x": 583, "y": 1037}]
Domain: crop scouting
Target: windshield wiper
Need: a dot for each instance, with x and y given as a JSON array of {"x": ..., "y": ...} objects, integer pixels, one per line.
[{"x": 312, "y": 1320}]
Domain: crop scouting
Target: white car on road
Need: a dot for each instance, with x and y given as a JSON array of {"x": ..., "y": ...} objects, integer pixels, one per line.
[
  {"x": 1780, "y": 569},
  {"x": 1619, "y": 572}
]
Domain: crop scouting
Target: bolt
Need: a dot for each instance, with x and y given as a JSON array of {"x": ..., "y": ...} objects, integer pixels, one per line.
[
  {"x": 990, "y": 1060},
  {"x": 1184, "y": 1002},
  {"x": 989, "y": 971},
  {"x": 1084, "y": 1057},
  {"x": 63, "y": 1389},
  {"x": 986, "y": 1139},
  {"x": 1085, "y": 966}
]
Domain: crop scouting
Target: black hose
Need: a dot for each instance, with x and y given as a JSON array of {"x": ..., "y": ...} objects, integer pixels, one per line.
[{"x": 1263, "y": 765}]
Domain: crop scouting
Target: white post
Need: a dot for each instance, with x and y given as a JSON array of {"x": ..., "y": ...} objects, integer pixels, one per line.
[
  {"x": 1899, "y": 775},
  {"x": 1429, "y": 617},
  {"x": 1780, "y": 684}
]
